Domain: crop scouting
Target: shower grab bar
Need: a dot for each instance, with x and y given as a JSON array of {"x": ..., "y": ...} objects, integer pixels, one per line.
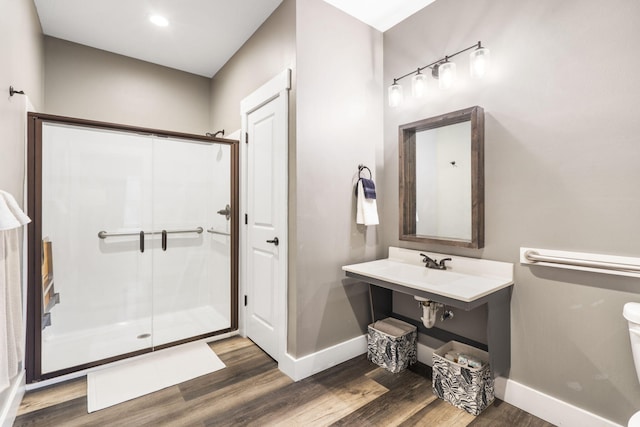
[
  {"x": 198, "y": 230},
  {"x": 580, "y": 261},
  {"x": 222, "y": 233},
  {"x": 104, "y": 234},
  {"x": 534, "y": 256}
]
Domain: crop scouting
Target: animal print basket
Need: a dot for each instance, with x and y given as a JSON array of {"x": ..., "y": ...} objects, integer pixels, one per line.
[
  {"x": 467, "y": 388},
  {"x": 392, "y": 344}
]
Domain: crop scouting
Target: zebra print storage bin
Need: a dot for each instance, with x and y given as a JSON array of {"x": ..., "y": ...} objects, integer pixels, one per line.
[
  {"x": 392, "y": 344},
  {"x": 467, "y": 388}
]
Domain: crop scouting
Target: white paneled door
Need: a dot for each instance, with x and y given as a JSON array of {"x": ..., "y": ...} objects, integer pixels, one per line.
[{"x": 266, "y": 187}]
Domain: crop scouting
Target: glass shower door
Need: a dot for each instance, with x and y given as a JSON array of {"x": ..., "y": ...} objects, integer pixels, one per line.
[
  {"x": 192, "y": 253},
  {"x": 96, "y": 292},
  {"x": 136, "y": 243}
]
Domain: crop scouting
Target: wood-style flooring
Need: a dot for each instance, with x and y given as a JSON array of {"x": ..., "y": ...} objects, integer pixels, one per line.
[{"x": 251, "y": 391}]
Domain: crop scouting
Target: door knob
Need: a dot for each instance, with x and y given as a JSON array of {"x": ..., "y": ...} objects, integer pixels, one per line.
[{"x": 275, "y": 241}]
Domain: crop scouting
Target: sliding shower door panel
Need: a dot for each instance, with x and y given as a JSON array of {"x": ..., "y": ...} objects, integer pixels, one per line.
[
  {"x": 95, "y": 181},
  {"x": 191, "y": 292}
]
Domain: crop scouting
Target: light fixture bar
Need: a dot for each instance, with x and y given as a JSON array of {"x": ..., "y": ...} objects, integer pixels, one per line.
[{"x": 445, "y": 59}]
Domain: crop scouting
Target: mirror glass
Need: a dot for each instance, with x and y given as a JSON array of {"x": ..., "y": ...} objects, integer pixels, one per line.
[{"x": 442, "y": 179}]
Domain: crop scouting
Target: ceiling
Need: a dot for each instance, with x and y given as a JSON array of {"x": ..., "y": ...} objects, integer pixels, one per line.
[
  {"x": 202, "y": 35},
  {"x": 380, "y": 14}
]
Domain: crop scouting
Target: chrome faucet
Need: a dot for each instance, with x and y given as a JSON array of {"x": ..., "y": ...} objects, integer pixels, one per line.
[{"x": 433, "y": 263}]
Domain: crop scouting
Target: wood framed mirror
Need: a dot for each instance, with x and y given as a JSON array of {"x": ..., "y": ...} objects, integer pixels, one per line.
[{"x": 442, "y": 179}]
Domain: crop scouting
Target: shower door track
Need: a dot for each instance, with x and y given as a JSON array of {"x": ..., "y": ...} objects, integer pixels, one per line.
[{"x": 35, "y": 121}]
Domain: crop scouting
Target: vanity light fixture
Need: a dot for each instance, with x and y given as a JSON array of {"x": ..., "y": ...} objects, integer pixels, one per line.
[{"x": 444, "y": 71}]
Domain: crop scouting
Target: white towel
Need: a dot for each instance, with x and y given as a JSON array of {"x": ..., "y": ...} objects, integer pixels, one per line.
[
  {"x": 11, "y": 340},
  {"x": 11, "y": 347},
  {"x": 367, "y": 210},
  {"x": 11, "y": 216}
]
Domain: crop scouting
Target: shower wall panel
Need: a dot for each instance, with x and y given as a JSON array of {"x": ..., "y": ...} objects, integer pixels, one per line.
[{"x": 190, "y": 276}]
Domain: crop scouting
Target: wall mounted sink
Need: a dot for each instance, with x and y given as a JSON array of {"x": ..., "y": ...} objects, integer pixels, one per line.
[
  {"x": 466, "y": 279},
  {"x": 468, "y": 283}
]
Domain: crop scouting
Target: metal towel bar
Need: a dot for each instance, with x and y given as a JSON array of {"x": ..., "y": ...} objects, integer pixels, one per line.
[
  {"x": 105, "y": 234},
  {"x": 626, "y": 266}
]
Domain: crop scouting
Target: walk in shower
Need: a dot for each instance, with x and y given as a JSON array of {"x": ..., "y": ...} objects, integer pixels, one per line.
[{"x": 134, "y": 243}]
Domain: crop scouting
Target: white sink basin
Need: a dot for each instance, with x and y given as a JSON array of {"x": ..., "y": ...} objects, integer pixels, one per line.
[{"x": 466, "y": 279}]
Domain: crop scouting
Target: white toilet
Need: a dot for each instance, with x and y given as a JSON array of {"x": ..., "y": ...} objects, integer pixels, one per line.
[{"x": 631, "y": 312}]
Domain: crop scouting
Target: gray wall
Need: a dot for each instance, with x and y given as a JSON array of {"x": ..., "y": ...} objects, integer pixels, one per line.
[
  {"x": 21, "y": 66},
  {"x": 561, "y": 162},
  {"x": 339, "y": 110},
  {"x": 335, "y": 110},
  {"x": 271, "y": 49},
  {"x": 89, "y": 83}
]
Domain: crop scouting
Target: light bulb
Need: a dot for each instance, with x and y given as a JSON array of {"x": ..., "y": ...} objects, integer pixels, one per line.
[
  {"x": 418, "y": 85},
  {"x": 395, "y": 95},
  {"x": 479, "y": 61},
  {"x": 158, "y": 20},
  {"x": 446, "y": 75}
]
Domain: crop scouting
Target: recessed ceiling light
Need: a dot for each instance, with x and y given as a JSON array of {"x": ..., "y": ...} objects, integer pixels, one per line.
[{"x": 160, "y": 21}]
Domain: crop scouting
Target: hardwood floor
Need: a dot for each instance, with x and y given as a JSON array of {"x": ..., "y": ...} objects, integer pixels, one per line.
[{"x": 251, "y": 391}]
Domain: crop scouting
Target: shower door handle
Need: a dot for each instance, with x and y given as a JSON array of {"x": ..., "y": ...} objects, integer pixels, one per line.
[
  {"x": 142, "y": 241},
  {"x": 164, "y": 240},
  {"x": 226, "y": 212}
]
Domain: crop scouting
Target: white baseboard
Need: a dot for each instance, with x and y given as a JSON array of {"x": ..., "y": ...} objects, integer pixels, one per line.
[
  {"x": 9, "y": 408},
  {"x": 425, "y": 354},
  {"x": 533, "y": 401},
  {"x": 298, "y": 369},
  {"x": 547, "y": 407}
]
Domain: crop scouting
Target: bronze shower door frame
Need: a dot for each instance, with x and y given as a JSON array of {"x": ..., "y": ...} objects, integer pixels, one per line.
[{"x": 34, "y": 237}]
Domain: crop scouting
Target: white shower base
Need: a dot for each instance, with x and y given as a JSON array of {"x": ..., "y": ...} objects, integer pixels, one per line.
[{"x": 61, "y": 351}]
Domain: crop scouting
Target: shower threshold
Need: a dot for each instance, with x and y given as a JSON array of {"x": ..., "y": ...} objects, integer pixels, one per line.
[{"x": 63, "y": 351}]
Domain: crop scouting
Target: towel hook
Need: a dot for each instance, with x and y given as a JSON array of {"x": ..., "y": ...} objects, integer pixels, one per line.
[
  {"x": 13, "y": 91},
  {"x": 360, "y": 167}
]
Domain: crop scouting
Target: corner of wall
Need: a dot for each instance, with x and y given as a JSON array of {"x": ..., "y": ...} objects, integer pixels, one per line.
[{"x": 338, "y": 127}]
